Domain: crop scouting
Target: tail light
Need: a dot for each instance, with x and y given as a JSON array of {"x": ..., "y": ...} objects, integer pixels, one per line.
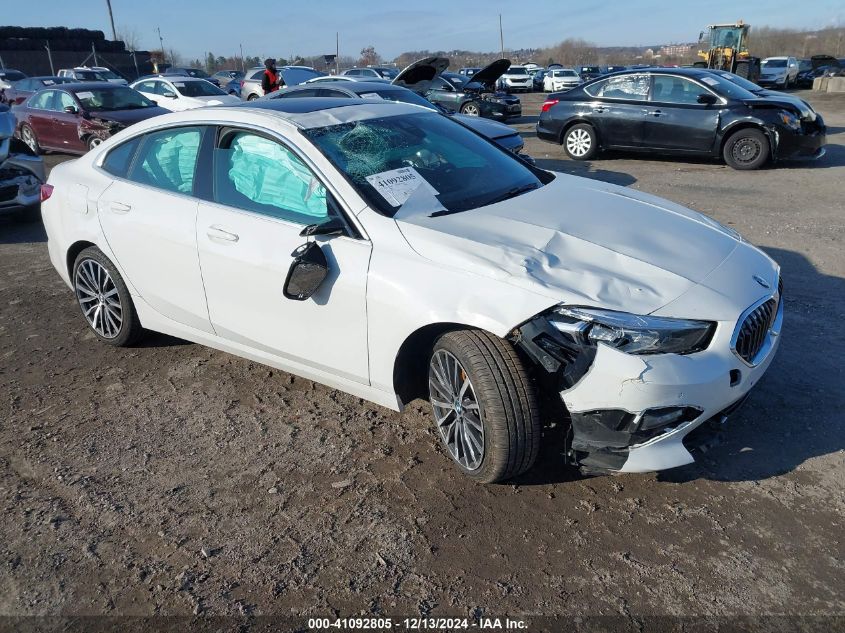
[
  {"x": 547, "y": 104},
  {"x": 46, "y": 191}
]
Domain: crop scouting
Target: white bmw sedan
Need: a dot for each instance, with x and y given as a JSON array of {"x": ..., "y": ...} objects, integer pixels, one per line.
[{"x": 390, "y": 252}]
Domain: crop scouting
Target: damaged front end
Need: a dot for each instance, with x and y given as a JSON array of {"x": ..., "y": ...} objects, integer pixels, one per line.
[
  {"x": 97, "y": 128},
  {"x": 21, "y": 171},
  {"x": 564, "y": 344}
]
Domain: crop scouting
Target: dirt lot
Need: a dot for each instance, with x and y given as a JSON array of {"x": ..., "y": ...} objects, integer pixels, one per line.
[{"x": 173, "y": 479}]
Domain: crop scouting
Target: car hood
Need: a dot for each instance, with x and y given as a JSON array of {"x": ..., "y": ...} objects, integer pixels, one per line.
[
  {"x": 784, "y": 102},
  {"x": 128, "y": 117},
  {"x": 419, "y": 75},
  {"x": 805, "y": 108},
  {"x": 580, "y": 241},
  {"x": 490, "y": 129},
  {"x": 491, "y": 72}
]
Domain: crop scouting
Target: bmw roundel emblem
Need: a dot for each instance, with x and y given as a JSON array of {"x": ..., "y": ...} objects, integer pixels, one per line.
[{"x": 761, "y": 281}]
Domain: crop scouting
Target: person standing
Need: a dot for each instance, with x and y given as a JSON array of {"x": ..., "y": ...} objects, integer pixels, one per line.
[{"x": 271, "y": 80}]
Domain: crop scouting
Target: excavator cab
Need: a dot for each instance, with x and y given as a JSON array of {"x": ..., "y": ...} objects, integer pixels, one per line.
[{"x": 727, "y": 49}]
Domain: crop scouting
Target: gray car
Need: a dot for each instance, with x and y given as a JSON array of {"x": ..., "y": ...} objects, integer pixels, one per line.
[
  {"x": 502, "y": 134},
  {"x": 21, "y": 172},
  {"x": 292, "y": 75}
]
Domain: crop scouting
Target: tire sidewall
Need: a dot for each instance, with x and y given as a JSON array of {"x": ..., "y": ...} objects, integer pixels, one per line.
[
  {"x": 37, "y": 149},
  {"x": 130, "y": 327},
  {"x": 471, "y": 104},
  {"x": 593, "y": 141}
]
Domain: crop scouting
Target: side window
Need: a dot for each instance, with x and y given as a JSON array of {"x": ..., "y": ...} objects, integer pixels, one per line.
[
  {"x": 167, "y": 159},
  {"x": 257, "y": 174},
  {"x": 631, "y": 87},
  {"x": 257, "y": 74},
  {"x": 119, "y": 159},
  {"x": 328, "y": 92},
  {"x": 305, "y": 92},
  {"x": 146, "y": 86},
  {"x": 438, "y": 83},
  {"x": 43, "y": 100},
  {"x": 65, "y": 100},
  {"x": 668, "y": 89}
]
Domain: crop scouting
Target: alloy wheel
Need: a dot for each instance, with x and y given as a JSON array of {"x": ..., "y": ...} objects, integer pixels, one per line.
[
  {"x": 471, "y": 109},
  {"x": 94, "y": 141},
  {"x": 98, "y": 297},
  {"x": 456, "y": 410},
  {"x": 578, "y": 142},
  {"x": 29, "y": 138}
]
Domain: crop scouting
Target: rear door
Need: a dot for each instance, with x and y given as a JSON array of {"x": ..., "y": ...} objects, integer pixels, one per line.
[
  {"x": 618, "y": 107},
  {"x": 41, "y": 114},
  {"x": 674, "y": 120},
  {"x": 149, "y": 220}
]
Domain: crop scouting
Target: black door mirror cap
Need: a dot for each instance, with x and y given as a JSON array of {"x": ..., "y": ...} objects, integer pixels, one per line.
[
  {"x": 707, "y": 99},
  {"x": 71, "y": 109},
  {"x": 307, "y": 272}
]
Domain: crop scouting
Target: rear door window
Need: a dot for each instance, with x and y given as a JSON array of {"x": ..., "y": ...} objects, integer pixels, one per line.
[
  {"x": 119, "y": 159},
  {"x": 43, "y": 100},
  {"x": 628, "y": 87},
  {"x": 168, "y": 159}
]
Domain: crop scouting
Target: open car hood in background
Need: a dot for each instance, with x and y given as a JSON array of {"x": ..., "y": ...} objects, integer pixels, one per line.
[
  {"x": 488, "y": 75},
  {"x": 419, "y": 75}
]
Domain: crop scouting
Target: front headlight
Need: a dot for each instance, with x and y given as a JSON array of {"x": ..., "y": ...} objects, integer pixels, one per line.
[
  {"x": 789, "y": 119},
  {"x": 634, "y": 333}
]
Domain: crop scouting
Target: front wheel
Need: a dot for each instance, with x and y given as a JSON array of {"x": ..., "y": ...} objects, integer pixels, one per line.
[
  {"x": 471, "y": 109},
  {"x": 579, "y": 142},
  {"x": 93, "y": 141},
  {"x": 252, "y": 97},
  {"x": 484, "y": 405},
  {"x": 104, "y": 299},
  {"x": 746, "y": 149}
]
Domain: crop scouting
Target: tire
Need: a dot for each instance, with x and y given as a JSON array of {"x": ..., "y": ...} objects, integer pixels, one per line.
[
  {"x": 486, "y": 375},
  {"x": 699, "y": 65},
  {"x": 743, "y": 69},
  {"x": 29, "y": 215},
  {"x": 28, "y": 137},
  {"x": 471, "y": 109},
  {"x": 746, "y": 149},
  {"x": 98, "y": 286},
  {"x": 580, "y": 142},
  {"x": 93, "y": 141},
  {"x": 252, "y": 97}
]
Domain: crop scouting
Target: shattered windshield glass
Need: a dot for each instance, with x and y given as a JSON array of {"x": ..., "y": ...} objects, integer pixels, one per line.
[{"x": 425, "y": 160}]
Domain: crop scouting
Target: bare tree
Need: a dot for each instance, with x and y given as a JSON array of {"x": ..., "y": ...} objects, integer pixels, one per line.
[
  {"x": 129, "y": 35},
  {"x": 369, "y": 56}
]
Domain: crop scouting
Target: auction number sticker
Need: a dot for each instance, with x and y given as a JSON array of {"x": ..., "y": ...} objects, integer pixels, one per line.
[
  {"x": 397, "y": 185},
  {"x": 85, "y": 95}
]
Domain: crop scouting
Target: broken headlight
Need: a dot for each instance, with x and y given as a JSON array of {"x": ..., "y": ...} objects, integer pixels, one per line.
[{"x": 634, "y": 333}]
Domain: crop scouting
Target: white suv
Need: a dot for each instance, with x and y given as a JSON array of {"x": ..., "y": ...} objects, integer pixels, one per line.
[
  {"x": 516, "y": 79},
  {"x": 778, "y": 72}
]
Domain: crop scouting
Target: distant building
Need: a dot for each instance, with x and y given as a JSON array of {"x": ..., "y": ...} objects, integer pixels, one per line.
[{"x": 675, "y": 50}]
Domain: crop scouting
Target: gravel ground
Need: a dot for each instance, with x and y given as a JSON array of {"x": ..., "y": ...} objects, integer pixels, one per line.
[{"x": 174, "y": 479}]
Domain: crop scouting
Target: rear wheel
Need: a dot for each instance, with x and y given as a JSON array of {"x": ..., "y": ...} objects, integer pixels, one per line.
[
  {"x": 746, "y": 149},
  {"x": 484, "y": 405},
  {"x": 579, "y": 142},
  {"x": 104, "y": 299},
  {"x": 28, "y": 137},
  {"x": 252, "y": 97}
]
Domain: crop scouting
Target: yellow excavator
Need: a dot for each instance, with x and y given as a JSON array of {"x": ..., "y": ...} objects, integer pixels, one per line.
[{"x": 727, "y": 49}]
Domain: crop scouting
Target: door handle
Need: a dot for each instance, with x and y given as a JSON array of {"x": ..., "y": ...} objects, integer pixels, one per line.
[
  {"x": 599, "y": 109},
  {"x": 652, "y": 112},
  {"x": 216, "y": 233},
  {"x": 119, "y": 207}
]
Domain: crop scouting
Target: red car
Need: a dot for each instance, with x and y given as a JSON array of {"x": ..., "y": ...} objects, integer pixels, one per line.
[
  {"x": 75, "y": 117},
  {"x": 21, "y": 90}
]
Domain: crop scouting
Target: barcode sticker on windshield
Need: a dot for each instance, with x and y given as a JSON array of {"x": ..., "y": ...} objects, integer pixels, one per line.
[
  {"x": 397, "y": 185},
  {"x": 179, "y": 84},
  {"x": 85, "y": 95},
  {"x": 709, "y": 81},
  {"x": 372, "y": 96},
  {"x": 49, "y": 82}
]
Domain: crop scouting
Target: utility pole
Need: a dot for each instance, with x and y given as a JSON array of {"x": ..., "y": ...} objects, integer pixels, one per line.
[
  {"x": 111, "y": 19},
  {"x": 501, "y": 37},
  {"x": 243, "y": 64},
  {"x": 50, "y": 57},
  {"x": 94, "y": 51},
  {"x": 161, "y": 41},
  {"x": 337, "y": 53}
]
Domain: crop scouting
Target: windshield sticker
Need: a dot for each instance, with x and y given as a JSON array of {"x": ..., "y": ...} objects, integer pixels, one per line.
[
  {"x": 710, "y": 81},
  {"x": 372, "y": 96},
  {"x": 85, "y": 95},
  {"x": 49, "y": 82},
  {"x": 397, "y": 185},
  {"x": 179, "y": 84}
]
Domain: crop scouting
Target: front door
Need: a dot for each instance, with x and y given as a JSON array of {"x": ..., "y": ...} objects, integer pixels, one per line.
[
  {"x": 149, "y": 220},
  {"x": 263, "y": 196},
  {"x": 66, "y": 124},
  {"x": 618, "y": 109},
  {"x": 675, "y": 120}
]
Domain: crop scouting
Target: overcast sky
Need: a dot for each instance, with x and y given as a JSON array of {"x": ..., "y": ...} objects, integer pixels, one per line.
[{"x": 193, "y": 27}]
